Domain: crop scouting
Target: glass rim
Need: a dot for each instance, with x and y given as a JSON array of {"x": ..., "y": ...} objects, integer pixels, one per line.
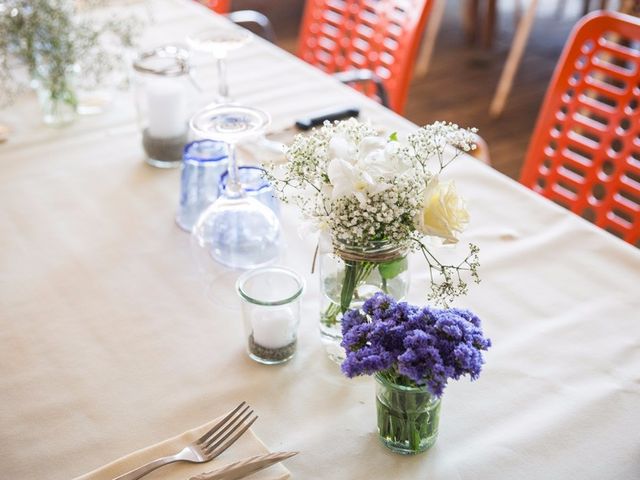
[
  {"x": 212, "y": 110},
  {"x": 175, "y": 53},
  {"x": 222, "y": 184},
  {"x": 186, "y": 157},
  {"x": 381, "y": 379},
  {"x": 284, "y": 270},
  {"x": 204, "y": 33}
]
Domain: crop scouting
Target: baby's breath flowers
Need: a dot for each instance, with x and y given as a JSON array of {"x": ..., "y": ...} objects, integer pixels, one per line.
[{"x": 357, "y": 188}]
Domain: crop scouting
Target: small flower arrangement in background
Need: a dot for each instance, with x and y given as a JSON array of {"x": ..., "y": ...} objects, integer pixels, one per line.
[
  {"x": 413, "y": 352},
  {"x": 61, "y": 46}
]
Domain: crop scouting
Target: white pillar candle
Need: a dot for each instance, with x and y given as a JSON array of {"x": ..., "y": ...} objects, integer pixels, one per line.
[
  {"x": 273, "y": 327},
  {"x": 167, "y": 107}
]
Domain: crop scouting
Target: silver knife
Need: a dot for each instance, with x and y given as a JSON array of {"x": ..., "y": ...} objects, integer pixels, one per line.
[{"x": 244, "y": 468}]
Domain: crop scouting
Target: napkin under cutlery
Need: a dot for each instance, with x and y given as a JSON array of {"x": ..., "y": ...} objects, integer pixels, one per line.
[{"x": 246, "y": 446}]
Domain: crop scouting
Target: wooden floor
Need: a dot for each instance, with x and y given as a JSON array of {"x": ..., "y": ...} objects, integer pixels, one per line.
[
  {"x": 461, "y": 82},
  {"x": 462, "y": 79}
]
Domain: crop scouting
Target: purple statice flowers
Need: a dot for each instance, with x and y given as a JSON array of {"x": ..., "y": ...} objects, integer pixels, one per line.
[{"x": 427, "y": 346}]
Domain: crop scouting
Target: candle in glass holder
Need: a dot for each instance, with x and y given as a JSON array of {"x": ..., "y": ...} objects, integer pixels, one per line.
[
  {"x": 273, "y": 327},
  {"x": 167, "y": 104},
  {"x": 271, "y": 312},
  {"x": 165, "y": 96}
]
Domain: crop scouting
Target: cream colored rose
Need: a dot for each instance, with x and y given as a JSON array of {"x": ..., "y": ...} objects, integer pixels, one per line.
[{"x": 444, "y": 213}]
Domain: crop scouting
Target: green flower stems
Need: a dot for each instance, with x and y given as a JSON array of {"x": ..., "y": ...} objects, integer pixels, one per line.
[
  {"x": 356, "y": 272},
  {"x": 407, "y": 417}
]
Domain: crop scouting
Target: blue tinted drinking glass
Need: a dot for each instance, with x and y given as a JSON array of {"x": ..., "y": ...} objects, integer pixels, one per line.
[
  {"x": 255, "y": 185},
  {"x": 203, "y": 162}
]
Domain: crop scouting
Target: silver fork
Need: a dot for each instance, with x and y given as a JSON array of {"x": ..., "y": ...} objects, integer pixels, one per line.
[{"x": 221, "y": 436}]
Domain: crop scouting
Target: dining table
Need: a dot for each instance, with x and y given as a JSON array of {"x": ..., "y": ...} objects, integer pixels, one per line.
[{"x": 111, "y": 339}]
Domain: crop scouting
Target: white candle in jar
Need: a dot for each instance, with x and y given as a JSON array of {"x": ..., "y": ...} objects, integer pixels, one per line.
[
  {"x": 273, "y": 327},
  {"x": 167, "y": 107}
]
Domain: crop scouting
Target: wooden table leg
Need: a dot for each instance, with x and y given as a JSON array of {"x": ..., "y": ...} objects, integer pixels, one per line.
[
  {"x": 429, "y": 42},
  {"x": 513, "y": 60}
]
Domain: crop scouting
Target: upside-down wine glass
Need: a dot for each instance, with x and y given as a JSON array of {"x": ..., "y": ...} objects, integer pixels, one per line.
[
  {"x": 219, "y": 42},
  {"x": 237, "y": 230}
]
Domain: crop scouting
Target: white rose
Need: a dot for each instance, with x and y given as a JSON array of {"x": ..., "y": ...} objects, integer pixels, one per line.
[{"x": 444, "y": 213}]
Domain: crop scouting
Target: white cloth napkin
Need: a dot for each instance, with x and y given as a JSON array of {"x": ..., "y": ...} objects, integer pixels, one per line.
[{"x": 246, "y": 446}]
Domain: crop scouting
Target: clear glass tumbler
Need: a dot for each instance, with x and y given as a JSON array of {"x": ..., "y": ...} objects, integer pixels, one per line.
[
  {"x": 271, "y": 312},
  {"x": 203, "y": 163},
  {"x": 255, "y": 185}
]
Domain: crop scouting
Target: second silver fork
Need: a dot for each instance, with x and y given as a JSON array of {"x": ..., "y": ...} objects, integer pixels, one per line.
[{"x": 220, "y": 437}]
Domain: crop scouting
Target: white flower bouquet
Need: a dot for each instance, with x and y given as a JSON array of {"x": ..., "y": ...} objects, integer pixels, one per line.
[{"x": 358, "y": 190}]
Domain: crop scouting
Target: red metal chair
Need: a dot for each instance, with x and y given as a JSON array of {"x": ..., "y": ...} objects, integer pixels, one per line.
[
  {"x": 585, "y": 150},
  {"x": 378, "y": 39}
]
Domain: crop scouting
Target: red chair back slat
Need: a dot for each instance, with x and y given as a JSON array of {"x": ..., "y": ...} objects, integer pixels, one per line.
[
  {"x": 378, "y": 35},
  {"x": 585, "y": 150},
  {"x": 218, "y": 6}
]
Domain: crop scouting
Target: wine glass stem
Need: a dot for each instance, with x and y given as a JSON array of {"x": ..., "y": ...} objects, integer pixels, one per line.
[
  {"x": 233, "y": 188},
  {"x": 223, "y": 87}
]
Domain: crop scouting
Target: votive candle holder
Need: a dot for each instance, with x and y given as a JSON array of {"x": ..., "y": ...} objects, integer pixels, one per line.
[{"x": 271, "y": 312}]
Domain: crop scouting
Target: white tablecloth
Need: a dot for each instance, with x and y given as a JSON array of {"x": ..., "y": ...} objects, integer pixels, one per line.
[{"x": 109, "y": 342}]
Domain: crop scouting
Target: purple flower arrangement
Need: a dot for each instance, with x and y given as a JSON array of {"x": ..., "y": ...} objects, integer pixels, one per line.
[{"x": 410, "y": 345}]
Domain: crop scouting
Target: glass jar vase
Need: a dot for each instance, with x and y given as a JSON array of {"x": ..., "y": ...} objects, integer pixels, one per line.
[
  {"x": 54, "y": 82},
  {"x": 58, "y": 109},
  {"x": 352, "y": 274},
  {"x": 408, "y": 416}
]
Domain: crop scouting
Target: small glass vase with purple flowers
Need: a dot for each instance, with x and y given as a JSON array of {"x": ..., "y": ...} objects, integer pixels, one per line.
[
  {"x": 408, "y": 415},
  {"x": 413, "y": 352}
]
